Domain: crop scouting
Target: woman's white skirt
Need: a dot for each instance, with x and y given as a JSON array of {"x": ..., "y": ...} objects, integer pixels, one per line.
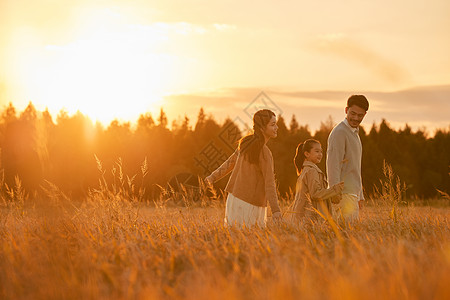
[{"x": 239, "y": 213}]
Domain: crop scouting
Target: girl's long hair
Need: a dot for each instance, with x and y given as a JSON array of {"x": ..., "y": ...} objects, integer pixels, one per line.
[
  {"x": 300, "y": 157},
  {"x": 251, "y": 145}
]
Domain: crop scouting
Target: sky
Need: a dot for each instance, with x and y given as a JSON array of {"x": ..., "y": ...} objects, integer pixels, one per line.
[{"x": 117, "y": 59}]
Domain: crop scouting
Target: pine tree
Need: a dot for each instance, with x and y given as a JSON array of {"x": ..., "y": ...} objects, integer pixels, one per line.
[{"x": 162, "y": 119}]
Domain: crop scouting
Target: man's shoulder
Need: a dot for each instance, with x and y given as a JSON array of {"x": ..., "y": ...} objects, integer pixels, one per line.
[{"x": 339, "y": 129}]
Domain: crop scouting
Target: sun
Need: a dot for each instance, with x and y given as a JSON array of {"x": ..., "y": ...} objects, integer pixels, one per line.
[{"x": 110, "y": 71}]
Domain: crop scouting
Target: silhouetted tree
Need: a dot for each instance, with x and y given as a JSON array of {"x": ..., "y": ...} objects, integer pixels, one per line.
[
  {"x": 293, "y": 126},
  {"x": 19, "y": 152},
  {"x": 35, "y": 148},
  {"x": 162, "y": 119},
  {"x": 201, "y": 118},
  {"x": 322, "y": 136},
  {"x": 71, "y": 153},
  {"x": 145, "y": 123},
  {"x": 9, "y": 114}
]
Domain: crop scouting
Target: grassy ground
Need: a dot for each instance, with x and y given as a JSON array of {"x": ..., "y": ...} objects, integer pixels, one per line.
[{"x": 111, "y": 248}]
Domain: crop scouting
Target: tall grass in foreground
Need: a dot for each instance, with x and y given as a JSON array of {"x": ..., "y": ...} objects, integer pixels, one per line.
[{"x": 114, "y": 247}]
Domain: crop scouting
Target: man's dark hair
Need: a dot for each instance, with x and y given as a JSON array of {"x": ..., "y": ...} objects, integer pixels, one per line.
[{"x": 358, "y": 100}]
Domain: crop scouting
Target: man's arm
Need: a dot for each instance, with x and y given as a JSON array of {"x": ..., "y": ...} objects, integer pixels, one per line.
[
  {"x": 335, "y": 157},
  {"x": 362, "y": 200}
]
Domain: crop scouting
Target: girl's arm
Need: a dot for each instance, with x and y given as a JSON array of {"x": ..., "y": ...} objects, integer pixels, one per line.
[
  {"x": 224, "y": 169},
  {"x": 300, "y": 203},
  {"x": 316, "y": 189}
]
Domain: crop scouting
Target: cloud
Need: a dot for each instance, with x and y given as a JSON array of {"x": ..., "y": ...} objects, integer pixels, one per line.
[
  {"x": 224, "y": 27},
  {"x": 426, "y": 106},
  {"x": 184, "y": 28},
  {"x": 420, "y": 107},
  {"x": 430, "y": 103},
  {"x": 181, "y": 28},
  {"x": 342, "y": 46}
]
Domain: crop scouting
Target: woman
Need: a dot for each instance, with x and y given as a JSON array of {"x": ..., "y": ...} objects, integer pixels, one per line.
[{"x": 252, "y": 181}]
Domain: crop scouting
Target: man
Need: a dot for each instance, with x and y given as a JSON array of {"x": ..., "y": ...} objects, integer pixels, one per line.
[{"x": 344, "y": 155}]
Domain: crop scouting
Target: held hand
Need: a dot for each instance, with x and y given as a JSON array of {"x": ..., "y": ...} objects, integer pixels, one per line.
[
  {"x": 336, "y": 199},
  {"x": 339, "y": 187},
  {"x": 361, "y": 203},
  {"x": 208, "y": 181}
]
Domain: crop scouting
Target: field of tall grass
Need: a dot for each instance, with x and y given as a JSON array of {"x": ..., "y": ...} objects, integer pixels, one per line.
[{"x": 113, "y": 245}]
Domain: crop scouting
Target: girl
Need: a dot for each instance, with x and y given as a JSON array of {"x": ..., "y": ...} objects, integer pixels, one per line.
[
  {"x": 311, "y": 190},
  {"x": 252, "y": 181}
]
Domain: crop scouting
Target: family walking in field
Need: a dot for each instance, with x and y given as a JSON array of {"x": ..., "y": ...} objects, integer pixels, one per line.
[{"x": 252, "y": 182}]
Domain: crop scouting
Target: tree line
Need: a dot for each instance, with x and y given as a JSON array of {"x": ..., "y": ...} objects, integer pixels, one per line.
[{"x": 72, "y": 152}]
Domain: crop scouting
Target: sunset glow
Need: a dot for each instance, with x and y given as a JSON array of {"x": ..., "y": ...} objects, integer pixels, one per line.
[
  {"x": 118, "y": 59},
  {"x": 105, "y": 72},
  {"x": 198, "y": 149}
]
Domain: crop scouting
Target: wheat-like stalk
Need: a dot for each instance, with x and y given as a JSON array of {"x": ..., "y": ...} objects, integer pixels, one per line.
[{"x": 110, "y": 246}]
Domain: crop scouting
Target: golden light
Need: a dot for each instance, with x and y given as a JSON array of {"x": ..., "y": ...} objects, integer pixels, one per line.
[{"x": 111, "y": 70}]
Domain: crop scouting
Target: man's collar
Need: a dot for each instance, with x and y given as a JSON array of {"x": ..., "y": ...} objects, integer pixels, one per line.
[{"x": 355, "y": 130}]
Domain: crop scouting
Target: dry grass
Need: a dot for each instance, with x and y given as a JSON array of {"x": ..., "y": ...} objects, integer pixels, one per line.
[{"x": 112, "y": 247}]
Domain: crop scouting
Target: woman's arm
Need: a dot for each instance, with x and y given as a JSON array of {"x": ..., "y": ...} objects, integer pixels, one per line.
[
  {"x": 266, "y": 163},
  {"x": 224, "y": 169}
]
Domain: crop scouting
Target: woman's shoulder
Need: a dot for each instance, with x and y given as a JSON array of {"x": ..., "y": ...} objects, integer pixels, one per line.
[
  {"x": 266, "y": 154},
  {"x": 266, "y": 149}
]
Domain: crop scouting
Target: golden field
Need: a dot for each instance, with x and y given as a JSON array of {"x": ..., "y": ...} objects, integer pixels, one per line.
[
  {"x": 117, "y": 250},
  {"x": 112, "y": 246}
]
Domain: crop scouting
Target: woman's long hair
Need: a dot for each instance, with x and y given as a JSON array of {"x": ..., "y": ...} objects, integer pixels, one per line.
[
  {"x": 300, "y": 157},
  {"x": 251, "y": 145}
]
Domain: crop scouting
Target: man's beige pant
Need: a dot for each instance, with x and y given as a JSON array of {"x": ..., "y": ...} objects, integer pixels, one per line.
[{"x": 348, "y": 208}]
